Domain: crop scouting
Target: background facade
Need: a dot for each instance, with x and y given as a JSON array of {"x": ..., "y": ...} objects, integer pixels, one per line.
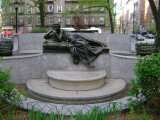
[{"x": 29, "y": 18}]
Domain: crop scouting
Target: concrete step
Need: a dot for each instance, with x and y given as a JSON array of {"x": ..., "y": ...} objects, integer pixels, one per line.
[
  {"x": 76, "y": 80},
  {"x": 42, "y": 90}
]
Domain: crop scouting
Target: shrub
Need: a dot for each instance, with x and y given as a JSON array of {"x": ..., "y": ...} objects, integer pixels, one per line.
[
  {"x": 147, "y": 82},
  {"x": 157, "y": 44},
  {"x": 40, "y": 30},
  {"x": 7, "y": 91}
]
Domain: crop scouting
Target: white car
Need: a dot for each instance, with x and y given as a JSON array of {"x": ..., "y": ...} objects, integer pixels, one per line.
[{"x": 139, "y": 38}]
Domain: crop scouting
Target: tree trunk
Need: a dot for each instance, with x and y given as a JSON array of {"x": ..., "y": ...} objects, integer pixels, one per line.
[
  {"x": 110, "y": 17},
  {"x": 41, "y": 7},
  {"x": 158, "y": 23},
  {"x": 156, "y": 14}
]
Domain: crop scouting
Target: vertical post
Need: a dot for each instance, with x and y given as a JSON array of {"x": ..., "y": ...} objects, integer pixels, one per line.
[
  {"x": 133, "y": 17},
  {"x": 16, "y": 20},
  {"x": 16, "y": 37},
  {"x": 16, "y": 5}
]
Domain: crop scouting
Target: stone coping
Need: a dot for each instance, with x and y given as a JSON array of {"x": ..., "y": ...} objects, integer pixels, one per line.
[
  {"x": 65, "y": 109},
  {"x": 124, "y": 56},
  {"x": 22, "y": 56}
]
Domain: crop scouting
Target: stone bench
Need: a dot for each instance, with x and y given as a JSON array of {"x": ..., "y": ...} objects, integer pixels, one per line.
[
  {"x": 5, "y": 49},
  {"x": 146, "y": 50}
]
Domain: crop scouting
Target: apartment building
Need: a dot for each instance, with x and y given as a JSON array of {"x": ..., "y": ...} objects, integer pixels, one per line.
[
  {"x": 136, "y": 16},
  {"x": 29, "y": 18}
]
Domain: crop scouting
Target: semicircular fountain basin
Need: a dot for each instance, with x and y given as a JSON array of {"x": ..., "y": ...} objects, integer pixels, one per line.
[{"x": 76, "y": 80}]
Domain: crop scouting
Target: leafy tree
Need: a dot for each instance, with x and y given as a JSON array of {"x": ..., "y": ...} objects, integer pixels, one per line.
[
  {"x": 6, "y": 5},
  {"x": 93, "y": 7},
  {"x": 152, "y": 29},
  {"x": 0, "y": 21},
  {"x": 6, "y": 8},
  {"x": 137, "y": 28}
]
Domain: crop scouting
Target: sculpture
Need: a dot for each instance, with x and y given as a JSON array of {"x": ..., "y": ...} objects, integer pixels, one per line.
[{"x": 81, "y": 48}]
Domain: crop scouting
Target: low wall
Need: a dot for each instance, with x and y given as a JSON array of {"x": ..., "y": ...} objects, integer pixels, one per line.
[
  {"x": 115, "y": 42},
  {"x": 36, "y": 65}
]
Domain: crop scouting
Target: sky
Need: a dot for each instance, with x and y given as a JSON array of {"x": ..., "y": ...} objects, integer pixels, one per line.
[{"x": 119, "y": 5}]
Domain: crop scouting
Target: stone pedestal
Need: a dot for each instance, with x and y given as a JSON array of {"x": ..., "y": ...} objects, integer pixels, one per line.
[
  {"x": 76, "y": 80},
  {"x": 16, "y": 44}
]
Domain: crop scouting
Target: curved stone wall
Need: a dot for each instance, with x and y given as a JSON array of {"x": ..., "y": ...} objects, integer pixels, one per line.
[{"x": 36, "y": 65}]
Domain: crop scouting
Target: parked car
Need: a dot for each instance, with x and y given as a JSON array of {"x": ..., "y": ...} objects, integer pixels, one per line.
[
  {"x": 150, "y": 36},
  {"x": 139, "y": 38}
]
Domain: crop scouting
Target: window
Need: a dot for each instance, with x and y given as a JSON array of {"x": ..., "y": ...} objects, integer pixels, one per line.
[
  {"x": 11, "y": 9},
  {"x": 29, "y": 28},
  {"x": 50, "y": 20},
  {"x": 101, "y": 20},
  {"x": 29, "y": 10},
  {"x": 102, "y": 9},
  {"x": 37, "y": 9},
  {"x": 59, "y": 20},
  {"x": 21, "y": 28},
  {"x": 85, "y": 7},
  {"x": 20, "y": 9},
  {"x": 12, "y": 22},
  {"x": 76, "y": 7},
  {"x": 11, "y": 1},
  {"x": 50, "y": 8},
  {"x": 85, "y": 20},
  {"x": 38, "y": 20},
  {"x": 92, "y": 19},
  {"x": 68, "y": 7},
  {"x": 21, "y": 21},
  {"x": 29, "y": 20},
  {"x": 68, "y": 20},
  {"x": 59, "y": 8}
]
